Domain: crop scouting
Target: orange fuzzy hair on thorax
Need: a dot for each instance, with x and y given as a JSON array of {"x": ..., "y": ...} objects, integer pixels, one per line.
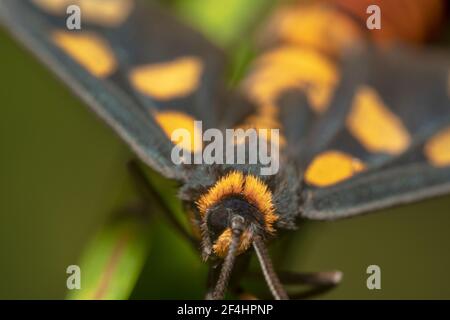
[{"x": 248, "y": 187}]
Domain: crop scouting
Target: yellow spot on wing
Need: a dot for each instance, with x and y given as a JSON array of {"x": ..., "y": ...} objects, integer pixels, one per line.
[
  {"x": 331, "y": 167},
  {"x": 286, "y": 68},
  {"x": 375, "y": 126},
  {"x": 107, "y": 13},
  {"x": 168, "y": 80},
  {"x": 309, "y": 25},
  {"x": 437, "y": 149},
  {"x": 174, "y": 120},
  {"x": 290, "y": 67},
  {"x": 89, "y": 50}
]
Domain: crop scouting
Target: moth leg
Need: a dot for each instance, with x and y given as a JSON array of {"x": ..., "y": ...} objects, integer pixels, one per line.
[
  {"x": 320, "y": 282},
  {"x": 326, "y": 278},
  {"x": 213, "y": 276},
  {"x": 239, "y": 271},
  {"x": 149, "y": 195},
  {"x": 311, "y": 293}
]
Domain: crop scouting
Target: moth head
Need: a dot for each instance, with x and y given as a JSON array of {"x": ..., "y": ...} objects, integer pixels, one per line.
[
  {"x": 219, "y": 220},
  {"x": 235, "y": 197},
  {"x": 237, "y": 212}
]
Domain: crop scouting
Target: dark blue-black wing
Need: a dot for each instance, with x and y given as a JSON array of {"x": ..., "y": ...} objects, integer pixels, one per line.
[
  {"x": 385, "y": 139},
  {"x": 140, "y": 70}
]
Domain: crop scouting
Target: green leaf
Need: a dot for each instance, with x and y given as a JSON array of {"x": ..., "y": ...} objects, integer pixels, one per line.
[
  {"x": 112, "y": 262},
  {"x": 224, "y": 22}
]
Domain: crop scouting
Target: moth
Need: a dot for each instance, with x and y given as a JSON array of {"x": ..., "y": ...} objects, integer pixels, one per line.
[{"x": 363, "y": 124}]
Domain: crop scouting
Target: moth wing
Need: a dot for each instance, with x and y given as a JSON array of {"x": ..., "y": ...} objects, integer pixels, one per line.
[
  {"x": 140, "y": 70},
  {"x": 404, "y": 181},
  {"x": 385, "y": 138}
]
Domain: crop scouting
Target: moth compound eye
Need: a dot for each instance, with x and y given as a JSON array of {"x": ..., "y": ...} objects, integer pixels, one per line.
[{"x": 217, "y": 221}]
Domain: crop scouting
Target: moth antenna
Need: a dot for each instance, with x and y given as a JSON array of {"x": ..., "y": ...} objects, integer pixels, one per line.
[
  {"x": 237, "y": 227},
  {"x": 272, "y": 280}
]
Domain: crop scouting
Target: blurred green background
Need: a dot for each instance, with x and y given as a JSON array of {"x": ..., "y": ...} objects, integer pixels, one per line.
[{"x": 62, "y": 175}]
